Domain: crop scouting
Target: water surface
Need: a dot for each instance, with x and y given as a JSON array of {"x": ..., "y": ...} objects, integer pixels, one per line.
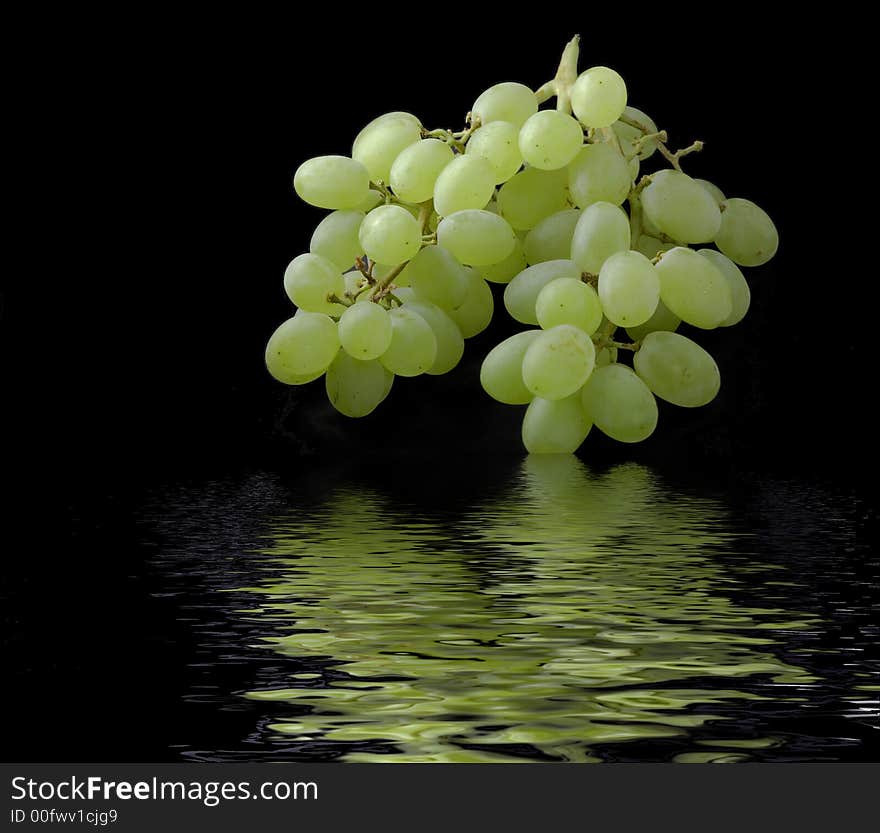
[{"x": 544, "y": 612}]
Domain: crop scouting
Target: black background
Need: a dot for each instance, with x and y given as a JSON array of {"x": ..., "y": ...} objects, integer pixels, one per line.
[{"x": 158, "y": 216}]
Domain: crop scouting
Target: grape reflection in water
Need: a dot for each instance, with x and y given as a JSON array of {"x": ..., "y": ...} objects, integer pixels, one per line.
[{"x": 576, "y": 612}]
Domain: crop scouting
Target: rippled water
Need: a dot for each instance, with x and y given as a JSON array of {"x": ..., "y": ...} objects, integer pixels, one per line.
[{"x": 546, "y": 612}]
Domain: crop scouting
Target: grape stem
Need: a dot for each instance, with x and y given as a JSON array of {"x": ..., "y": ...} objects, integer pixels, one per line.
[
  {"x": 661, "y": 137},
  {"x": 626, "y": 345},
  {"x": 566, "y": 75}
]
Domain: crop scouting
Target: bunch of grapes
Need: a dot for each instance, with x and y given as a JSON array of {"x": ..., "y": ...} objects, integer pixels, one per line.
[{"x": 396, "y": 276}]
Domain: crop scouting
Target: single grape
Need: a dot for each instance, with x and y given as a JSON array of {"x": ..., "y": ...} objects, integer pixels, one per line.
[
  {"x": 332, "y": 182},
  {"x": 390, "y": 234},
  {"x": 301, "y": 346},
  {"x": 437, "y": 277},
  {"x": 620, "y": 404},
  {"x": 601, "y": 230},
  {"x": 599, "y": 174},
  {"x": 507, "y": 269},
  {"x": 629, "y": 288},
  {"x": 416, "y": 168},
  {"x": 558, "y": 362},
  {"x": 628, "y": 135},
  {"x": 389, "y": 383},
  {"x": 365, "y": 331},
  {"x": 740, "y": 294},
  {"x": 393, "y": 116},
  {"x": 450, "y": 342},
  {"x": 550, "y": 139},
  {"x": 747, "y": 234},
  {"x": 413, "y": 347},
  {"x": 521, "y": 294},
  {"x": 693, "y": 288},
  {"x": 336, "y": 238},
  {"x": 381, "y": 141},
  {"x": 309, "y": 279},
  {"x": 475, "y": 237},
  {"x": 551, "y": 238},
  {"x": 498, "y": 143},
  {"x": 474, "y": 314},
  {"x": 555, "y": 426},
  {"x": 662, "y": 319},
  {"x": 598, "y": 97},
  {"x": 714, "y": 190},
  {"x": 531, "y": 195},
  {"x": 680, "y": 207},
  {"x": 466, "y": 182},
  {"x": 569, "y": 301},
  {"x": 355, "y": 387},
  {"x": 373, "y": 199},
  {"x": 509, "y": 101},
  {"x": 501, "y": 371},
  {"x": 677, "y": 370}
]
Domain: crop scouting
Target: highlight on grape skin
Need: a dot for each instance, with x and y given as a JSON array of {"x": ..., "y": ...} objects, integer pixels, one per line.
[{"x": 574, "y": 203}]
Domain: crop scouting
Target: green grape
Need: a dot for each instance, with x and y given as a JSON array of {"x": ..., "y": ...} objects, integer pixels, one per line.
[
  {"x": 436, "y": 276},
  {"x": 629, "y": 288},
  {"x": 677, "y": 369},
  {"x": 551, "y": 238},
  {"x": 332, "y": 182},
  {"x": 389, "y": 383},
  {"x": 521, "y": 294},
  {"x": 501, "y": 371},
  {"x": 555, "y": 426},
  {"x": 416, "y": 168},
  {"x": 301, "y": 346},
  {"x": 476, "y": 237},
  {"x": 747, "y": 234},
  {"x": 390, "y": 234},
  {"x": 607, "y": 355},
  {"x": 497, "y": 142},
  {"x": 380, "y": 142},
  {"x": 680, "y": 207},
  {"x": 450, "y": 342},
  {"x": 740, "y": 294},
  {"x": 620, "y": 404},
  {"x": 531, "y": 195},
  {"x": 550, "y": 139},
  {"x": 309, "y": 279},
  {"x": 693, "y": 288},
  {"x": 598, "y": 97},
  {"x": 466, "y": 182},
  {"x": 714, "y": 190},
  {"x": 569, "y": 301},
  {"x": 650, "y": 246},
  {"x": 558, "y": 362},
  {"x": 507, "y": 269},
  {"x": 601, "y": 230},
  {"x": 475, "y": 312},
  {"x": 599, "y": 174},
  {"x": 628, "y": 135},
  {"x": 336, "y": 238},
  {"x": 373, "y": 199},
  {"x": 395, "y": 115},
  {"x": 354, "y": 282},
  {"x": 413, "y": 347},
  {"x": 634, "y": 168},
  {"x": 662, "y": 319},
  {"x": 405, "y": 294},
  {"x": 355, "y": 387},
  {"x": 365, "y": 331},
  {"x": 510, "y": 102}
]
